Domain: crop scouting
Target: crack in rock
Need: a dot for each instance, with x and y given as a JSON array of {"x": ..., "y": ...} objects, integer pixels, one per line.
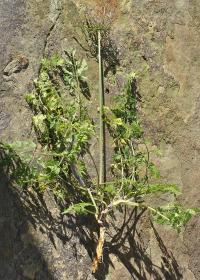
[
  {"x": 55, "y": 18},
  {"x": 4, "y": 120}
]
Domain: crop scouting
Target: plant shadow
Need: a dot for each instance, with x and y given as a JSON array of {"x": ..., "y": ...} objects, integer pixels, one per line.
[
  {"x": 129, "y": 248},
  {"x": 109, "y": 50},
  {"x": 32, "y": 230},
  {"x": 18, "y": 259},
  {"x": 124, "y": 237}
]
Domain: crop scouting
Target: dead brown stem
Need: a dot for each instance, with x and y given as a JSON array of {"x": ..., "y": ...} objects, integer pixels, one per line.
[{"x": 99, "y": 249}]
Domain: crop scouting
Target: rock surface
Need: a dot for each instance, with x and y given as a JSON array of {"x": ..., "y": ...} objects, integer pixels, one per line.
[{"x": 160, "y": 41}]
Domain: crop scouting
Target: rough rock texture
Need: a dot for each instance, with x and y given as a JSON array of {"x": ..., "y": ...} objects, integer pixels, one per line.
[
  {"x": 36, "y": 243},
  {"x": 160, "y": 41}
]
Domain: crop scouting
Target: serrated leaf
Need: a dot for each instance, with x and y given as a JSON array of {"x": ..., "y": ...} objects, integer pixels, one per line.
[
  {"x": 38, "y": 121},
  {"x": 117, "y": 121},
  {"x": 24, "y": 149},
  {"x": 153, "y": 170},
  {"x": 23, "y": 145},
  {"x": 176, "y": 215},
  {"x": 79, "y": 208},
  {"x": 163, "y": 188},
  {"x": 110, "y": 189}
]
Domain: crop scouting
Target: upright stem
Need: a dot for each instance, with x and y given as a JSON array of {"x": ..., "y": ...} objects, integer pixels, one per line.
[{"x": 102, "y": 160}]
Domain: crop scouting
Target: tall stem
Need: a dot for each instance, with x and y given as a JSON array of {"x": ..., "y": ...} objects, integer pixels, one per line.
[{"x": 102, "y": 160}]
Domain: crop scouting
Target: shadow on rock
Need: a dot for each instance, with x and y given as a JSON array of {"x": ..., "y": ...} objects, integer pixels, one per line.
[
  {"x": 129, "y": 247},
  {"x": 20, "y": 258},
  {"x": 37, "y": 242},
  {"x": 109, "y": 50}
]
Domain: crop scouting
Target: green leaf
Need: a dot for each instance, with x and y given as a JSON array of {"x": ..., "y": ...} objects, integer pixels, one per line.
[
  {"x": 38, "y": 121},
  {"x": 23, "y": 145},
  {"x": 80, "y": 208},
  {"x": 153, "y": 170},
  {"x": 176, "y": 215},
  {"x": 117, "y": 121},
  {"x": 24, "y": 149},
  {"x": 110, "y": 189},
  {"x": 163, "y": 188}
]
